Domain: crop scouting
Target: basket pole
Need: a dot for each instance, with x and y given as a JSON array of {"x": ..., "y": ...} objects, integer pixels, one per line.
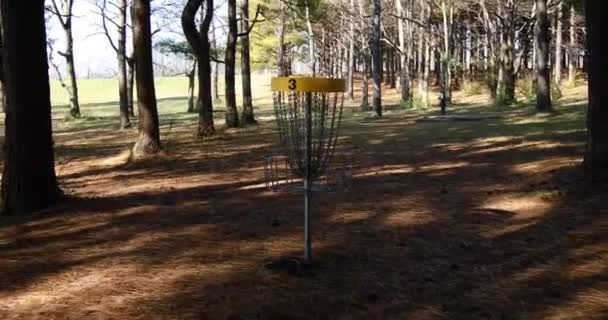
[{"x": 307, "y": 177}]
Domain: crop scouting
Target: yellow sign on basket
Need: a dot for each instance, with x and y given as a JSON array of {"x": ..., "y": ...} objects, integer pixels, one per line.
[{"x": 307, "y": 84}]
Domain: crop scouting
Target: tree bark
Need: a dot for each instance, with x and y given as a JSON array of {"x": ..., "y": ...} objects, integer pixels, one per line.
[
  {"x": 365, "y": 86},
  {"x": 149, "y": 133},
  {"x": 232, "y": 116},
  {"x": 572, "y": 51},
  {"x": 377, "y": 57},
  {"x": 65, "y": 20},
  {"x": 404, "y": 77},
  {"x": 543, "y": 83},
  {"x": 216, "y": 71},
  {"x": 131, "y": 84},
  {"x": 199, "y": 41},
  {"x": 121, "y": 54},
  {"x": 311, "y": 39},
  {"x": 281, "y": 70},
  {"x": 557, "y": 67},
  {"x": 247, "y": 117},
  {"x": 2, "y": 81},
  {"x": 596, "y": 157},
  {"x": 446, "y": 82},
  {"x": 351, "y": 56},
  {"x": 29, "y": 182},
  {"x": 191, "y": 79}
]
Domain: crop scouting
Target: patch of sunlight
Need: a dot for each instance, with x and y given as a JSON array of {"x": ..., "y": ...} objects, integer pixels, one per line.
[
  {"x": 503, "y": 148},
  {"x": 584, "y": 303},
  {"x": 519, "y": 203},
  {"x": 544, "y": 165},
  {"x": 385, "y": 170},
  {"x": 408, "y": 217},
  {"x": 444, "y": 166},
  {"x": 530, "y": 120},
  {"x": 486, "y": 140},
  {"x": 589, "y": 268},
  {"x": 351, "y": 217}
]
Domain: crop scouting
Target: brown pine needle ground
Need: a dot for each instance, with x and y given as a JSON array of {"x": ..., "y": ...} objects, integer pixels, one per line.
[{"x": 445, "y": 220}]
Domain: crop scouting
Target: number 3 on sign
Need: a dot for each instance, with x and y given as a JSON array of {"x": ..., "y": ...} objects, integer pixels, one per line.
[{"x": 292, "y": 84}]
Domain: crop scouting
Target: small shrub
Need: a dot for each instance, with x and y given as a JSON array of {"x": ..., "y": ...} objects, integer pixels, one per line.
[
  {"x": 525, "y": 88},
  {"x": 556, "y": 92},
  {"x": 406, "y": 104},
  {"x": 418, "y": 102},
  {"x": 471, "y": 88}
]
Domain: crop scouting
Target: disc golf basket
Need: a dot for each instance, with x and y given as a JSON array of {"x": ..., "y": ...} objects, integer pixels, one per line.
[{"x": 308, "y": 112}]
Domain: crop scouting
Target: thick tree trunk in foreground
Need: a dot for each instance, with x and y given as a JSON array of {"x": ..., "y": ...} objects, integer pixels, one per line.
[
  {"x": 199, "y": 41},
  {"x": 149, "y": 134},
  {"x": 2, "y": 82},
  {"x": 596, "y": 157},
  {"x": 248, "y": 116},
  {"x": 232, "y": 116},
  {"x": 377, "y": 57},
  {"x": 29, "y": 182},
  {"x": 543, "y": 82}
]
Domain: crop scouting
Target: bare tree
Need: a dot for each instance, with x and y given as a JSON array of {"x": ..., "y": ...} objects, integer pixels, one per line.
[
  {"x": 63, "y": 12},
  {"x": 120, "y": 48}
]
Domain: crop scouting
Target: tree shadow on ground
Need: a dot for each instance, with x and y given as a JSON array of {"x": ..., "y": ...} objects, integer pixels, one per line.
[{"x": 444, "y": 221}]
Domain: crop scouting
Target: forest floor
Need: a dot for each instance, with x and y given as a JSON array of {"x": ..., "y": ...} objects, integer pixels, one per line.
[{"x": 488, "y": 219}]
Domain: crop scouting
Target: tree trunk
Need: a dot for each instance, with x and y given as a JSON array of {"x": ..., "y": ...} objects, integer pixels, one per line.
[
  {"x": 377, "y": 57},
  {"x": 557, "y": 68},
  {"x": 311, "y": 39},
  {"x": 247, "y": 116},
  {"x": 596, "y": 157},
  {"x": 216, "y": 70},
  {"x": 392, "y": 70},
  {"x": 121, "y": 53},
  {"x": 505, "y": 87},
  {"x": 191, "y": 79},
  {"x": 351, "y": 57},
  {"x": 2, "y": 82},
  {"x": 199, "y": 41},
  {"x": 572, "y": 51},
  {"x": 543, "y": 84},
  {"x": 66, "y": 23},
  {"x": 131, "y": 84},
  {"x": 29, "y": 182},
  {"x": 446, "y": 82},
  {"x": 281, "y": 70},
  {"x": 404, "y": 77},
  {"x": 232, "y": 116},
  {"x": 365, "y": 85},
  {"x": 149, "y": 134}
]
